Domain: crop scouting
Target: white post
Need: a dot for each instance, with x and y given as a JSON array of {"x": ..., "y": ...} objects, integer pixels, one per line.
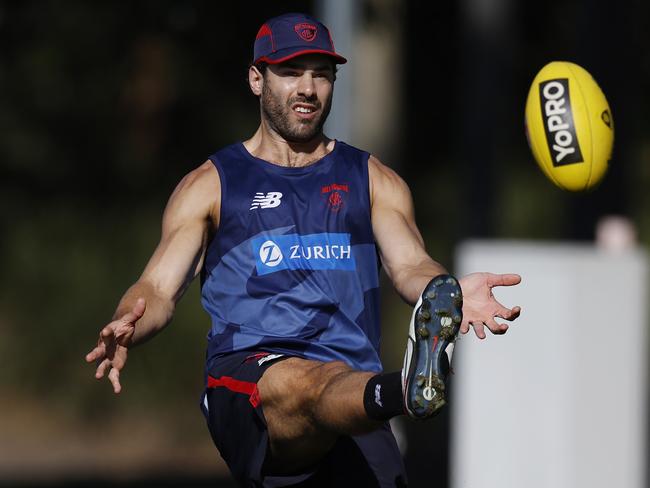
[
  {"x": 341, "y": 18},
  {"x": 560, "y": 400}
]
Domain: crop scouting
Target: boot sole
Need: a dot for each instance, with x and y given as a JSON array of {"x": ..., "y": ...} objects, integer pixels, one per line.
[{"x": 434, "y": 327}]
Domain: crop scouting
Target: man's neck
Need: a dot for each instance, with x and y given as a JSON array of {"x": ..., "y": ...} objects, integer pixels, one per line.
[{"x": 271, "y": 147}]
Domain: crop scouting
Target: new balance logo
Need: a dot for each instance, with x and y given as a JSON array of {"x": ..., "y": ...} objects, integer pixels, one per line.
[
  {"x": 269, "y": 357},
  {"x": 270, "y": 200},
  {"x": 378, "y": 395}
]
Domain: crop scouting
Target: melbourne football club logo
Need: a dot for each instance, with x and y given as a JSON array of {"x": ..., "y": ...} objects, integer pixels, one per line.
[
  {"x": 271, "y": 200},
  {"x": 306, "y": 31},
  {"x": 335, "y": 195},
  {"x": 270, "y": 254},
  {"x": 335, "y": 201}
]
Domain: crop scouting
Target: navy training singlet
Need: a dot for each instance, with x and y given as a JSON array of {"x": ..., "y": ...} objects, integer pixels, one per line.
[{"x": 293, "y": 267}]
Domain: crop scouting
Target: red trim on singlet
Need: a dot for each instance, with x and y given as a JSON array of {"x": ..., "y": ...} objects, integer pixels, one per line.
[{"x": 238, "y": 386}]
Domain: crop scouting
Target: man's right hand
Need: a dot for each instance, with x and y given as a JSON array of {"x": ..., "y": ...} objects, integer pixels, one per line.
[
  {"x": 192, "y": 212},
  {"x": 112, "y": 346}
]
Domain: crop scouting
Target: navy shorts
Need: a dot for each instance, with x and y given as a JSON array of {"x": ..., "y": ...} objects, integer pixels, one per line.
[{"x": 237, "y": 425}]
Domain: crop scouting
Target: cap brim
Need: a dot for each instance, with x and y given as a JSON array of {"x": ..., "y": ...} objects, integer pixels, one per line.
[{"x": 286, "y": 54}]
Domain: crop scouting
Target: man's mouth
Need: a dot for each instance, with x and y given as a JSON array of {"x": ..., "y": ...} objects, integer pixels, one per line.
[{"x": 304, "y": 110}]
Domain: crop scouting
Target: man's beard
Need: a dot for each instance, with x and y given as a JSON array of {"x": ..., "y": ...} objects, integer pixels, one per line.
[{"x": 277, "y": 114}]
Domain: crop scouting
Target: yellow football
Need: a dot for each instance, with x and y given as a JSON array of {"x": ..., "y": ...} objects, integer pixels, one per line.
[{"x": 569, "y": 126}]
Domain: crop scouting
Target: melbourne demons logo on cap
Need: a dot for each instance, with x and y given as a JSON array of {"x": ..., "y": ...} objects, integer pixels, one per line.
[{"x": 306, "y": 31}]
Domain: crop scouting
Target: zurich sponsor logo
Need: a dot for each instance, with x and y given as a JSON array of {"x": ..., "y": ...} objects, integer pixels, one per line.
[
  {"x": 294, "y": 251},
  {"x": 270, "y": 254}
]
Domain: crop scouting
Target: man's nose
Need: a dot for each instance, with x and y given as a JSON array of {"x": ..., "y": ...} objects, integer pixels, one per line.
[{"x": 306, "y": 86}]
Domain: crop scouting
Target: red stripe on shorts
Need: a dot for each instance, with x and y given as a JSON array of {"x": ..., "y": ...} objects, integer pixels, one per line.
[{"x": 238, "y": 386}]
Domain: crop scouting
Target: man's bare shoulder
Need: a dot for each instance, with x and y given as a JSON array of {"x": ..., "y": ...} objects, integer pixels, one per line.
[
  {"x": 202, "y": 176},
  {"x": 198, "y": 193},
  {"x": 383, "y": 179}
]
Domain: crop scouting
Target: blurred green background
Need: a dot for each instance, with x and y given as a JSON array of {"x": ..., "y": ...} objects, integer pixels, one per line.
[{"x": 104, "y": 106}]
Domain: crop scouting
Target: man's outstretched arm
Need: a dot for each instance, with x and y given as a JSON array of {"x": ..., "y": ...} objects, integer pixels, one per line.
[
  {"x": 401, "y": 246},
  {"x": 408, "y": 265},
  {"x": 148, "y": 305}
]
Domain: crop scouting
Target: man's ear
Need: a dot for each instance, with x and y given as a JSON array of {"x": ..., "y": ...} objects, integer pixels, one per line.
[{"x": 255, "y": 80}]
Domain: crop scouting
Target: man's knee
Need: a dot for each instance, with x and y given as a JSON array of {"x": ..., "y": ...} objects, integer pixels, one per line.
[
  {"x": 318, "y": 378},
  {"x": 296, "y": 385}
]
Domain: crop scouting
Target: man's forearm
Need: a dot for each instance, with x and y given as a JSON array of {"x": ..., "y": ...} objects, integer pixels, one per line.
[
  {"x": 410, "y": 281},
  {"x": 158, "y": 313}
]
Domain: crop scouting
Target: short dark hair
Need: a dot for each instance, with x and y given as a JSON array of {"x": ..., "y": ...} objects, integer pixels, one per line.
[{"x": 262, "y": 66}]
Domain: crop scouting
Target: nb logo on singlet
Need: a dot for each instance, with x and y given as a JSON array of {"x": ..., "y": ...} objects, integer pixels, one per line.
[{"x": 270, "y": 200}]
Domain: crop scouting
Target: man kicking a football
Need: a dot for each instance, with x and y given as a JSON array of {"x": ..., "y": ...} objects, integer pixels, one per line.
[{"x": 285, "y": 229}]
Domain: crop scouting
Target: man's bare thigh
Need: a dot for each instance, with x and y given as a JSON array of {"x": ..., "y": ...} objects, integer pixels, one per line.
[{"x": 290, "y": 391}]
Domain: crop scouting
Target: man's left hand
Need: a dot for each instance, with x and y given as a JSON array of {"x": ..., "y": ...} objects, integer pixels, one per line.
[{"x": 480, "y": 308}]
